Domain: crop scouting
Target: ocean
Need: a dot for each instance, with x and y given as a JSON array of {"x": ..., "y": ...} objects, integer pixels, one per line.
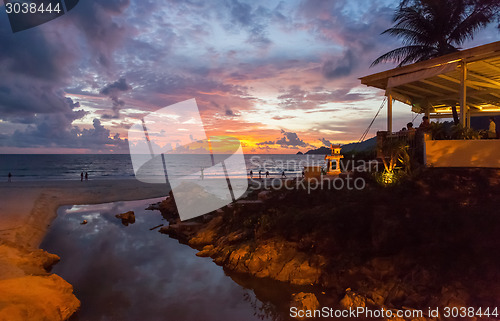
[{"x": 39, "y": 167}]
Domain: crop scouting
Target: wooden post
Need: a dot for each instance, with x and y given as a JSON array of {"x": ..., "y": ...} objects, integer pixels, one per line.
[
  {"x": 389, "y": 113},
  {"x": 463, "y": 93}
]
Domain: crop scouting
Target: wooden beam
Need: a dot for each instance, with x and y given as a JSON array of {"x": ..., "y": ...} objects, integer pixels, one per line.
[
  {"x": 488, "y": 65},
  {"x": 408, "y": 93},
  {"x": 481, "y": 84},
  {"x": 463, "y": 93},
  {"x": 439, "y": 86},
  {"x": 491, "y": 81},
  {"x": 423, "y": 89},
  {"x": 457, "y": 81}
]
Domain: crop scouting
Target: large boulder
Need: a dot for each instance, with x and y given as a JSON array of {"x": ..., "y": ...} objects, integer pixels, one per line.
[
  {"x": 127, "y": 218},
  {"x": 37, "y": 298},
  {"x": 305, "y": 302}
]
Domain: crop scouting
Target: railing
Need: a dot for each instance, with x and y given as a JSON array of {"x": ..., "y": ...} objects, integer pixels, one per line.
[{"x": 408, "y": 137}]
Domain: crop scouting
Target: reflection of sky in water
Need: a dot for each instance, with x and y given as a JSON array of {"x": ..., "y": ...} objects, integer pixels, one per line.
[{"x": 132, "y": 273}]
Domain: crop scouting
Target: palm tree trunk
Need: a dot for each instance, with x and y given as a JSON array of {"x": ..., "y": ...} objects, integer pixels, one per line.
[{"x": 455, "y": 114}]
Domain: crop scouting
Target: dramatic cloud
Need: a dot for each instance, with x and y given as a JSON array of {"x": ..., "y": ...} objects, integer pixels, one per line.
[
  {"x": 288, "y": 140},
  {"x": 113, "y": 91},
  {"x": 297, "y": 98},
  {"x": 325, "y": 142},
  {"x": 253, "y": 68}
]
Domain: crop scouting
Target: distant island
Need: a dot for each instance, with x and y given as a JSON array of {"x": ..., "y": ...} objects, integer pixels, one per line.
[
  {"x": 300, "y": 153},
  {"x": 367, "y": 145}
]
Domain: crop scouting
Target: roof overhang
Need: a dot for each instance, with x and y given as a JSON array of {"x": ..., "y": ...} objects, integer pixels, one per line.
[{"x": 434, "y": 84}]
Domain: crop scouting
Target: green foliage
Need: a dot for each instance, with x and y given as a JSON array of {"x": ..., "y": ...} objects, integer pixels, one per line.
[
  {"x": 391, "y": 151},
  {"x": 438, "y": 130},
  {"x": 430, "y": 28},
  {"x": 460, "y": 132}
]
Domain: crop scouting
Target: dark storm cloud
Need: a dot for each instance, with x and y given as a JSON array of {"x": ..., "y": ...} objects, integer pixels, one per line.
[
  {"x": 297, "y": 98},
  {"x": 33, "y": 69},
  {"x": 101, "y": 32},
  {"x": 38, "y": 64},
  {"x": 113, "y": 91},
  {"x": 254, "y": 21},
  {"x": 355, "y": 27},
  {"x": 55, "y": 130},
  {"x": 325, "y": 142},
  {"x": 288, "y": 140},
  {"x": 339, "y": 67}
]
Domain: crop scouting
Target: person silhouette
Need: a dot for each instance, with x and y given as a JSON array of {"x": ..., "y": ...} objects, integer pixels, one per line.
[
  {"x": 260, "y": 173},
  {"x": 10, "y": 177},
  {"x": 202, "y": 175},
  {"x": 81, "y": 177},
  {"x": 251, "y": 174},
  {"x": 283, "y": 174},
  {"x": 86, "y": 176},
  {"x": 267, "y": 174}
]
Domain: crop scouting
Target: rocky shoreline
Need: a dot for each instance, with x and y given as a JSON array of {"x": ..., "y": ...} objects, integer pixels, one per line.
[
  {"x": 390, "y": 256},
  {"x": 28, "y": 291}
]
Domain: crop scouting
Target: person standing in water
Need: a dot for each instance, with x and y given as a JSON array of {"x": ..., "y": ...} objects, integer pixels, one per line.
[
  {"x": 81, "y": 177},
  {"x": 86, "y": 176},
  {"x": 260, "y": 173},
  {"x": 283, "y": 174},
  {"x": 251, "y": 174},
  {"x": 10, "y": 177},
  {"x": 267, "y": 174}
]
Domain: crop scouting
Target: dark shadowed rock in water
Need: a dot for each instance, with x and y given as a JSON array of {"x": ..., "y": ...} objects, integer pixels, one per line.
[
  {"x": 127, "y": 218},
  {"x": 180, "y": 231},
  {"x": 154, "y": 207},
  {"x": 304, "y": 301},
  {"x": 168, "y": 208}
]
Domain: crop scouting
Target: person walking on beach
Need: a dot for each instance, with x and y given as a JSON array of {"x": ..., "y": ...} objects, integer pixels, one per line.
[
  {"x": 251, "y": 174},
  {"x": 86, "y": 176},
  {"x": 81, "y": 177},
  {"x": 267, "y": 174},
  {"x": 260, "y": 173},
  {"x": 10, "y": 177}
]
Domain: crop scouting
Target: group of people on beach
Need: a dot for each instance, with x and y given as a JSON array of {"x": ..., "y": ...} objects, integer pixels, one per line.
[
  {"x": 82, "y": 176},
  {"x": 283, "y": 175}
]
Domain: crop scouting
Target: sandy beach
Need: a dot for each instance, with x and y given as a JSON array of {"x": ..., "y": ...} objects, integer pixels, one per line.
[{"x": 27, "y": 290}]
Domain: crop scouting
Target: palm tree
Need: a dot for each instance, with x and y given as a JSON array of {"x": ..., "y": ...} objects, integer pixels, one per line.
[{"x": 431, "y": 28}]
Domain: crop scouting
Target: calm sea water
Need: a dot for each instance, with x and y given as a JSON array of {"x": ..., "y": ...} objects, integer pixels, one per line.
[
  {"x": 130, "y": 273},
  {"x": 69, "y": 167}
]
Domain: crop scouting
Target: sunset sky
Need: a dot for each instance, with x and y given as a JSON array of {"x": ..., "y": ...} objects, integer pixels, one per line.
[{"x": 281, "y": 76}]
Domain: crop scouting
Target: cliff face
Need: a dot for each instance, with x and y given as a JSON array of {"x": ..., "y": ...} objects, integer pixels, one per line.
[
  {"x": 426, "y": 243},
  {"x": 28, "y": 291}
]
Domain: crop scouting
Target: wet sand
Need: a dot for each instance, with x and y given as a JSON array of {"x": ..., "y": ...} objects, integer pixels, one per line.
[{"x": 27, "y": 290}]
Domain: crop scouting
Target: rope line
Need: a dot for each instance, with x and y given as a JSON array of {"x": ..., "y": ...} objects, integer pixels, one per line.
[{"x": 365, "y": 133}]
